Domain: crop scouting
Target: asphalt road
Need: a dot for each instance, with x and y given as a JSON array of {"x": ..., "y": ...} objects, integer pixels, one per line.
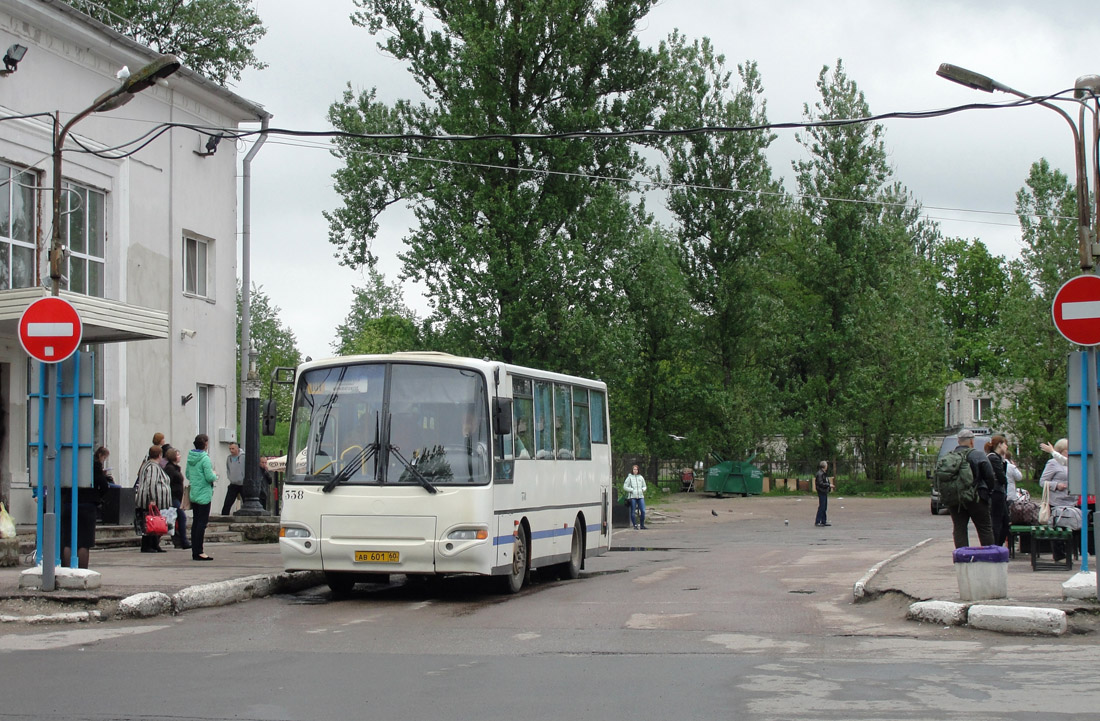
[{"x": 736, "y": 616}]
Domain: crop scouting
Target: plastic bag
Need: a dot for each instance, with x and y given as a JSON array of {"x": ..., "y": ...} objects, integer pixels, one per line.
[
  {"x": 169, "y": 516},
  {"x": 7, "y": 523}
]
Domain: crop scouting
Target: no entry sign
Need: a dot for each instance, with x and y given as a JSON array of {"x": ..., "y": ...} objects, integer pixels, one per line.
[{"x": 50, "y": 329}]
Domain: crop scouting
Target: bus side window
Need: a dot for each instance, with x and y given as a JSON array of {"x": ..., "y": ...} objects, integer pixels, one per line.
[
  {"x": 563, "y": 420},
  {"x": 523, "y": 427},
  {"x": 599, "y": 418},
  {"x": 544, "y": 420},
  {"x": 582, "y": 438}
]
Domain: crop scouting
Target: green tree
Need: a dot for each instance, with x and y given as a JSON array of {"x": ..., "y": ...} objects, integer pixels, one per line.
[
  {"x": 514, "y": 238},
  {"x": 973, "y": 287},
  {"x": 378, "y": 321},
  {"x": 728, "y": 208},
  {"x": 654, "y": 380},
  {"x": 212, "y": 37},
  {"x": 863, "y": 320},
  {"x": 275, "y": 343},
  {"x": 1036, "y": 353}
]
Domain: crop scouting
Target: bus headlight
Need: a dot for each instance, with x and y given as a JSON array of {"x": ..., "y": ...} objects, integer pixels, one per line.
[
  {"x": 293, "y": 532},
  {"x": 468, "y": 534}
]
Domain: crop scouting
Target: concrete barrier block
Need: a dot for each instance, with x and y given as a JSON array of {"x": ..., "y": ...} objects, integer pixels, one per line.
[
  {"x": 1080, "y": 586},
  {"x": 77, "y": 579},
  {"x": 145, "y": 605},
  {"x": 1017, "y": 619},
  {"x": 944, "y": 613}
]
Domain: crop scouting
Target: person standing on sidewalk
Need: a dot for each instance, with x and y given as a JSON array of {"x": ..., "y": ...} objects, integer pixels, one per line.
[
  {"x": 175, "y": 480},
  {"x": 153, "y": 488},
  {"x": 201, "y": 476},
  {"x": 634, "y": 486},
  {"x": 234, "y": 472},
  {"x": 978, "y": 509},
  {"x": 823, "y": 484},
  {"x": 995, "y": 450}
]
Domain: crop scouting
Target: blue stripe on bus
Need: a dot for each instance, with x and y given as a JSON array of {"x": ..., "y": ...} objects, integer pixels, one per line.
[
  {"x": 535, "y": 535},
  {"x": 505, "y": 540}
]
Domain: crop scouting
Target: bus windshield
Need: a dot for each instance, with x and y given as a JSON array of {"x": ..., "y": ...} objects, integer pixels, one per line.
[{"x": 379, "y": 423}]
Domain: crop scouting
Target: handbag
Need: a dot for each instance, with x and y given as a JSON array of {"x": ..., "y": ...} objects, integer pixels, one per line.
[
  {"x": 1044, "y": 507},
  {"x": 154, "y": 522}
]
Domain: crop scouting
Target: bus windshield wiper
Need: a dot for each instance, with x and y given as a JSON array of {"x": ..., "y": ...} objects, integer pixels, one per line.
[
  {"x": 412, "y": 470},
  {"x": 353, "y": 466}
]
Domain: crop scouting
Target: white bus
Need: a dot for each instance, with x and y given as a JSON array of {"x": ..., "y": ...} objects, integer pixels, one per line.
[{"x": 427, "y": 463}]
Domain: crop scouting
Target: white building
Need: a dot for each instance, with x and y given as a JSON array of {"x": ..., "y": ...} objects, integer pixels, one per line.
[
  {"x": 969, "y": 404},
  {"x": 152, "y": 239}
]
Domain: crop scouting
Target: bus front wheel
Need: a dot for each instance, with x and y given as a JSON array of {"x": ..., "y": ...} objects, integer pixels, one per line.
[
  {"x": 517, "y": 574},
  {"x": 341, "y": 583}
]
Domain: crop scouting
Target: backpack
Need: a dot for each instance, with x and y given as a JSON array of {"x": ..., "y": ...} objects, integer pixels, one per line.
[{"x": 954, "y": 480}]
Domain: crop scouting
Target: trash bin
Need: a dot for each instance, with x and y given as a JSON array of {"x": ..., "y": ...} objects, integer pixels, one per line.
[
  {"x": 734, "y": 477},
  {"x": 982, "y": 572}
]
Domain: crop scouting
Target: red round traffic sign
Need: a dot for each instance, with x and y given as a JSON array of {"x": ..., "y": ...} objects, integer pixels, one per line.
[
  {"x": 1076, "y": 310},
  {"x": 50, "y": 329}
]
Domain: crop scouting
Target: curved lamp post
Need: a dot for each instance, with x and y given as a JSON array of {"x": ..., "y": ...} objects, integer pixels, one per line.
[
  {"x": 1087, "y": 85},
  {"x": 149, "y": 75}
]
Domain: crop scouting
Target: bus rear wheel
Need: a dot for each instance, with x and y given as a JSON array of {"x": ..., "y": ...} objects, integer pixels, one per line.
[
  {"x": 517, "y": 574},
  {"x": 572, "y": 568}
]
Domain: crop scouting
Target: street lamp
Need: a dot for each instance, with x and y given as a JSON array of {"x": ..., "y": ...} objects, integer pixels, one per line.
[
  {"x": 250, "y": 504},
  {"x": 149, "y": 75},
  {"x": 1087, "y": 85}
]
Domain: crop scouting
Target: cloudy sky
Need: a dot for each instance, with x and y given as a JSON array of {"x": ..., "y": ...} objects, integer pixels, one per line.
[{"x": 965, "y": 168}]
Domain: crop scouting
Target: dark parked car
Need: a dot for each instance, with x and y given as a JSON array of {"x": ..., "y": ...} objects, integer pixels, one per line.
[{"x": 981, "y": 437}]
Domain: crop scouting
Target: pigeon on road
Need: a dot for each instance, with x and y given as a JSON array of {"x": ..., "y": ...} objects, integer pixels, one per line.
[{"x": 713, "y": 512}]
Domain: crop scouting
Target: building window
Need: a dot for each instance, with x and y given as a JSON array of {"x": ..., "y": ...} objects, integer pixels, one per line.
[
  {"x": 85, "y": 235},
  {"x": 983, "y": 409},
  {"x": 196, "y": 266},
  {"x": 203, "y": 396},
  {"x": 18, "y": 211}
]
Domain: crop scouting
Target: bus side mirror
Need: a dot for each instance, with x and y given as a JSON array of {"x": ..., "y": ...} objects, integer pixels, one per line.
[
  {"x": 502, "y": 416},
  {"x": 269, "y": 417}
]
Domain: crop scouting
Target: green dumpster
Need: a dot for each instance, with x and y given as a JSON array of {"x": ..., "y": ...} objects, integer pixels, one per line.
[{"x": 735, "y": 477}]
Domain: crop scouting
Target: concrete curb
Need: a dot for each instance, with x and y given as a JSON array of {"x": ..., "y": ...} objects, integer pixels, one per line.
[
  {"x": 1017, "y": 619},
  {"x": 71, "y": 617},
  {"x": 859, "y": 590},
  {"x": 1023, "y": 620},
  {"x": 221, "y": 593}
]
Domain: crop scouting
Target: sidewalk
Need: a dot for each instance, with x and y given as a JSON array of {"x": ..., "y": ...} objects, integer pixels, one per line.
[
  {"x": 239, "y": 571},
  {"x": 923, "y": 573},
  {"x": 926, "y": 572}
]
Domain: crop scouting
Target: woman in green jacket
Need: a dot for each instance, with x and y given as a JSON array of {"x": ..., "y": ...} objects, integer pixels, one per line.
[{"x": 200, "y": 474}]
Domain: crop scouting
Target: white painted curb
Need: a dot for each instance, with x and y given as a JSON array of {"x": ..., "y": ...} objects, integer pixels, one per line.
[
  {"x": 1018, "y": 619},
  {"x": 859, "y": 590},
  {"x": 943, "y": 613}
]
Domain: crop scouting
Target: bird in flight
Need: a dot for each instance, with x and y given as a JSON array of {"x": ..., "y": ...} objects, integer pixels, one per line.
[{"x": 676, "y": 437}]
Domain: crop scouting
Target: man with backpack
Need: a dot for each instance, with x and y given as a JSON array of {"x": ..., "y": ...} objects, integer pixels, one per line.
[{"x": 965, "y": 478}]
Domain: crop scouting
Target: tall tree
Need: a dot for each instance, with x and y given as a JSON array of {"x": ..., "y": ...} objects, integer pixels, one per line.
[
  {"x": 727, "y": 207},
  {"x": 275, "y": 343},
  {"x": 1036, "y": 353},
  {"x": 973, "y": 287},
  {"x": 378, "y": 321},
  {"x": 212, "y": 37},
  {"x": 514, "y": 237},
  {"x": 860, "y": 366}
]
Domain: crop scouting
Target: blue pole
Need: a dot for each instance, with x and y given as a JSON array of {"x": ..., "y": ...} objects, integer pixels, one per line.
[
  {"x": 74, "y": 460},
  {"x": 1088, "y": 389},
  {"x": 40, "y": 462}
]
